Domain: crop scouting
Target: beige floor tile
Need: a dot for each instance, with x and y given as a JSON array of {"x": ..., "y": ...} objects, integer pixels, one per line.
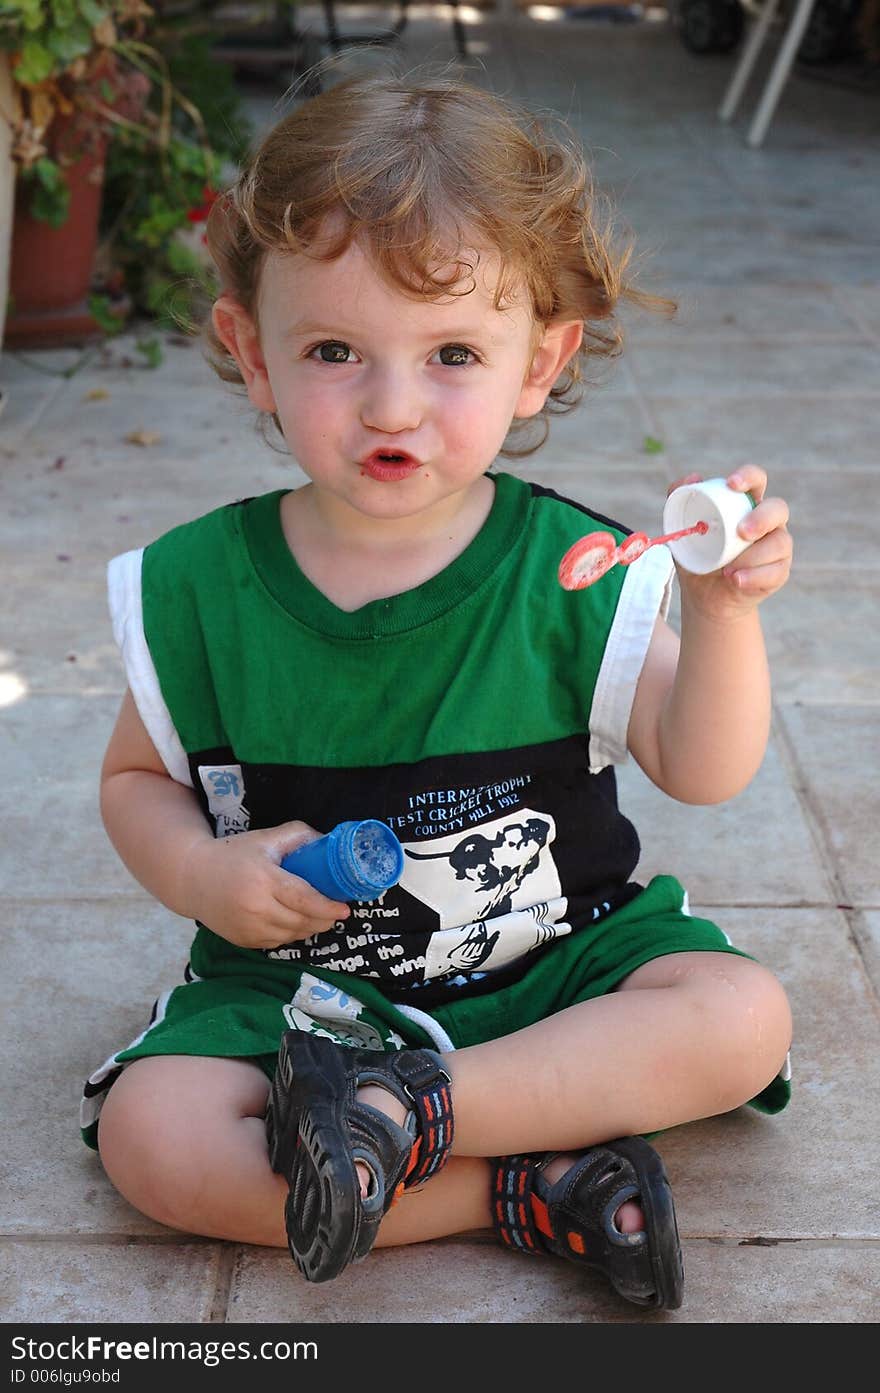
[
  {"x": 727, "y": 313},
  {"x": 836, "y": 750},
  {"x": 863, "y": 306},
  {"x": 755, "y": 849},
  {"x": 27, "y": 398},
  {"x": 807, "y": 1172},
  {"x": 149, "y": 1283},
  {"x": 726, "y": 369},
  {"x": 475, "y": 1282},
  {"x": 89, "y": 971},
  {"x": 601, "y": 430},
  {"x": 72, "y": 649},
  {"x": 866, "y": 929},
  {"x": 822, "y": 640},
  {"x": 54, "y": 844},
  {"x": 97, "y": 504},
  {"x": 830, "y": 521},
  {"x": 711, "y": 434}
]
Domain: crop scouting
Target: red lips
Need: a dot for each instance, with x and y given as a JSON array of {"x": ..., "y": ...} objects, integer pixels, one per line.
[{"x": 388, "y": 466}]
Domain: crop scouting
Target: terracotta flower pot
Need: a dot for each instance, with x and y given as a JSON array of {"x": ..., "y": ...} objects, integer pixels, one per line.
[{"x": 51, "y": 268}]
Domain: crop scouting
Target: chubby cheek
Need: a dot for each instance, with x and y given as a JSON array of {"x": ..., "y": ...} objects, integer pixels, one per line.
[
  {"x": 473, "y": 432},
  {"x": 309, "y": 424},
  {"x": 311, "y": 445}
]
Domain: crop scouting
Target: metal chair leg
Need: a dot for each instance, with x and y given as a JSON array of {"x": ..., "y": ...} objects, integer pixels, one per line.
[
  {"x": 780, "y": 72},
  {"x": 743, "y": 70},
  {"x": 338, "y": 41},
  {"x": 459, "y": 31}
]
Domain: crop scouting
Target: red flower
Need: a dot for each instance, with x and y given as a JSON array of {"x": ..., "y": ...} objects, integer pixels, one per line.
[{"x": 201, "y": 211}]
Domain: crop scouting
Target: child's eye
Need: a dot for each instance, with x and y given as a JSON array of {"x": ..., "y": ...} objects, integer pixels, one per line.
[
  {"x": 455, "y": 355},
  {"x": 333, "y": 351}
]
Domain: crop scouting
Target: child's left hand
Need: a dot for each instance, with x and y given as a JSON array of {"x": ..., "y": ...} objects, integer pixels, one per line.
[{"x": 757, "y": 572}]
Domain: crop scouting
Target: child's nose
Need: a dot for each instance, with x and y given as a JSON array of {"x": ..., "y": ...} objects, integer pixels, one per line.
[{"x": 392, "y": 402}]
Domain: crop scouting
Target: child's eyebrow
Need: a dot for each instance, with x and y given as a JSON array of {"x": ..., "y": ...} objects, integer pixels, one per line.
[{"x": 304, "y": 329}]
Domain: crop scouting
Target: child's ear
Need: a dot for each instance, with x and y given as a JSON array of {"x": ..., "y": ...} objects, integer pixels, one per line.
[
  {"x": 559, "y": 342},
  {"x": 237, "y": 332}
]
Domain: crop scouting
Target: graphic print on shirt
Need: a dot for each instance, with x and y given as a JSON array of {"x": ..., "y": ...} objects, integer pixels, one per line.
[
  {"x": 504, "y": 852},
  {"x": 480, "y": 888},
  {"x": 224, "y": 790},
  {"x": 320, "y": 1008},
  {"x": 496, "y": 892}
]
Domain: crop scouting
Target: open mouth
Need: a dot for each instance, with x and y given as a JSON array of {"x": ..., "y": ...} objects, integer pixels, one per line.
[{"x": 387, "y": 465}]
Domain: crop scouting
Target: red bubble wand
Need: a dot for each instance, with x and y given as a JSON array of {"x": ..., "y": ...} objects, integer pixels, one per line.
[{"x": 593, "y": 555}]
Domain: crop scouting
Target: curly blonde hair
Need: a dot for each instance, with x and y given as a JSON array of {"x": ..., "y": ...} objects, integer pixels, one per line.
[{"x": 418, "y": 171}]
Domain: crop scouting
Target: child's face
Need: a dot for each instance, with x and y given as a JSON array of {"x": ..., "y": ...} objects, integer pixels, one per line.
[{"x": 389, "y": 403}]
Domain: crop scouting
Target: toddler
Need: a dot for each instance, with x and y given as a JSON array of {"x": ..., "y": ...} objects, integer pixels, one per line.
[{"x": 413, "y": 274}]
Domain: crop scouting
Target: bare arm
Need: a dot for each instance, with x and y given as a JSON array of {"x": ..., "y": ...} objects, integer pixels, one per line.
[
  {"x": 233, "y": 885},
  {"x": 701, "y": 715}
]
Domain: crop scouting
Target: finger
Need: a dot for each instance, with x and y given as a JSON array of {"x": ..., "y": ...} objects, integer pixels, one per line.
[
  {"x": 296, "y": 931},
  {"x": 285, "y": 925},
  {"x": 748, "y": 478},
  {"x": 758, "y": 580},
  {"x": 770, "y": 515},
  {"x": 688, "y": 479},
  {"x": 289, "y": 836},
  {"x": 299, "y": 897},
  {"x": 776, "y": 546}
]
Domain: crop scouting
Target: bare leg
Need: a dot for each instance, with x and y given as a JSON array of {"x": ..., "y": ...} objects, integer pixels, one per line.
[
  {"x": 719, "y": 1028},
  {"x": 686, "y": 1036},
  {"x": 184, "y": 1140}
]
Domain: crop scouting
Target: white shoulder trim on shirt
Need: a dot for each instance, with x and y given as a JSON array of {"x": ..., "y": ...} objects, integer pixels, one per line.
[
  {"x": 646, "y": 593},
  {"x": 126, "y": 612}
]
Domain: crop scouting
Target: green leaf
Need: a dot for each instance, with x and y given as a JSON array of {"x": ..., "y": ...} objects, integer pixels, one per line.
[
  {"x": 35, "y": 64},
  {"x": 32, "y": 13},
  {"x": 99, "y": 308},
  {"x": 65, "y": 13},
  {"x": 92, "y": 12},
  {"x": 47, "y": 173},
  {"x": 71, "y": 42},
  {"x": 151, "y": 350},
  {"x": 652, "y": 446},
  {"x": 49, "y": 194}
]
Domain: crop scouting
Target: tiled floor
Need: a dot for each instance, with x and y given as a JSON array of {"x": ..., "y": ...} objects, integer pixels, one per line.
[{"x": 774, "y": 256}]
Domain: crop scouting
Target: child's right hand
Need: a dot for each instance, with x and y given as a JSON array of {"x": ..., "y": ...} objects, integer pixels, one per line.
[{"x": 242, "y": 894}]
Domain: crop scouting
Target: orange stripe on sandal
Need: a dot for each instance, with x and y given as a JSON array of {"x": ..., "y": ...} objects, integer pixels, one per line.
[
  {"x": 542, "y": 1218},
  {"x": 414, "y": 1156}
]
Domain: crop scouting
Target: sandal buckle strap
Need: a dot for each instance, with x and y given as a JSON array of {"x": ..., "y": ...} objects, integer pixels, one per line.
[
  {"x": 427, "y": 1084},
  {"x": 512, "y": 1215}
]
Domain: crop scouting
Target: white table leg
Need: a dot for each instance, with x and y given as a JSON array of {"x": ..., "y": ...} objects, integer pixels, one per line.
[
  {"x": 749, "y": 57},
  {"x": 780, "y": 71}
]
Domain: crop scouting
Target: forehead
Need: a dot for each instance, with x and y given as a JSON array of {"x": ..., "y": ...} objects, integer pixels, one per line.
[{"x": 293, "y": 283}]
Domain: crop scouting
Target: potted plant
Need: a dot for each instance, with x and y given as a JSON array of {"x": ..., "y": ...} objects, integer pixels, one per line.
[
  {"x": 111, "y": 156},
  {"x": 64, "y": 63}
]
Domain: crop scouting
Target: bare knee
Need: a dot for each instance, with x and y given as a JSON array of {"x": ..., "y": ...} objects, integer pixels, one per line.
[
  {"x": 738, "y": 1024},
  {"x": 161, "y": 1125},
  {"x": 751, "y": 1022}
]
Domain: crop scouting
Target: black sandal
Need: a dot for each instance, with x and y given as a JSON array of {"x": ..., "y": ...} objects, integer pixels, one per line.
[
  {"x": 574, "y": 1218},
  {"x": 317, "y": 1130}
]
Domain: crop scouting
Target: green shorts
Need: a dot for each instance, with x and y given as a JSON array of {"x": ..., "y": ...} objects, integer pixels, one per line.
[{"x": 243, "y": 1009}]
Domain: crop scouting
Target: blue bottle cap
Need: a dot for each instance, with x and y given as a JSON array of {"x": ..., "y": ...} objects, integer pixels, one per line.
[{"x": 366, "y": 857}]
